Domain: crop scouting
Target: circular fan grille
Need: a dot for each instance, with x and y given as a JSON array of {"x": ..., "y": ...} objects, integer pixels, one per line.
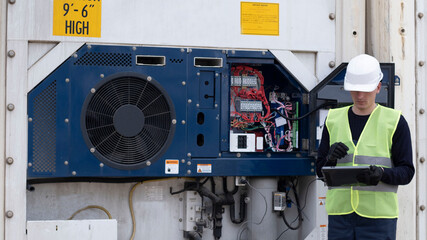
[{"x": 127, "y": 121}]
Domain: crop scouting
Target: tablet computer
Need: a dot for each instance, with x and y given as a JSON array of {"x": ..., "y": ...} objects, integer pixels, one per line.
[{"x": 339, "y": 176}]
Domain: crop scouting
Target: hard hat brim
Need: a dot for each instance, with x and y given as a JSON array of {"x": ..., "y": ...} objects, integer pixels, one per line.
[{"x": 362, "y": 87}]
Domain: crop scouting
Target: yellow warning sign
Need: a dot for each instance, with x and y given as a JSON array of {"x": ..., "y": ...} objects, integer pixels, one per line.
[
  {"x": 80, "y": 18},
  {"x": 258, "y": 18}
]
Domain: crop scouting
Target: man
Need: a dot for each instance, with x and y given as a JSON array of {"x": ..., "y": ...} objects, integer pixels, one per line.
[{"x": 371, "y": 135}]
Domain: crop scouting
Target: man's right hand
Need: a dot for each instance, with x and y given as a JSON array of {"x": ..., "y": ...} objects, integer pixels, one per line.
[{"x": 336, "y": 151}]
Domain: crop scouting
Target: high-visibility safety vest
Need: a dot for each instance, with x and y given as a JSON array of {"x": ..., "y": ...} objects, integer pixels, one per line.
[{"x": 372, "y": 148}]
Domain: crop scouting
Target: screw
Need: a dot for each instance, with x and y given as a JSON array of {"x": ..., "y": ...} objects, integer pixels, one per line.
[
  {"x": 12, "y": 1},
  {"x": 312, "y": 164},
  {"x": 420, "y": 15},
  {"x": 10, "y": 107},
  {"x": 183, "y": 160},
  {"x": 11, "y": 53},
  {"x": 182, "y": 50},
  {"x": 183, "y": 122},
  {"x": 197, "y": 105},
  {"x": 233, "y": 52},
  {"x": 149, "y": 78},
  {"x": 263, "y": 53},
  {"x": 67, "y": 80},
  {"x": 238, "y": 155},
  {"x": 422, "y": 159},
  {"x": 188, "y": 171},
  {"x": 9, "y": 214},
  {"x": 73, "y": 173},
  {"x": 188, "y": 154},
  {"x": 422, "y": 111},
  {"x": 134, "y": 48},
  {"x": 30, "y": 119},
  {"x": 180, "y": 220},
  {"x": 188, "y": 163},
  {"x": 101, "y": 165},
  {"x": 102, "y": 75},
  {"x": 268, "y": 155},
  {"x": 219, "y": 154},
  {"x": 216, "y": 74},
  {"x": 198, "y": 74},
  {"x": 30, "y": 164},
  {"x": 67, "y": 120},
  {"x": 331, "y": 64},
  {"x": 216, "y": 105},
  {"x": 421, "y": 63},
  {"x": 75, "y": 55},
  {"x": 312, "y": 170},
  {"x": 332, "y": 16},
  {"x": 89, "y": 46},
  {"x": 173, "y": 121},
  {"x": 92, "y": 90},
  {"x": 92, "y": 150},
  {"x": 189, "y": 101},
  {"x": 9, "y": 160},
  {"x": 422, "y": 207},
  {"x": 183, "y": 83},
  {"x": 66, "y": 163},
  {"x": 148, "y": 163}
]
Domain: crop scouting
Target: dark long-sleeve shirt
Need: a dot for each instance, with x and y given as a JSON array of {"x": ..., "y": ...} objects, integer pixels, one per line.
[{"x": 403, "y": 169}]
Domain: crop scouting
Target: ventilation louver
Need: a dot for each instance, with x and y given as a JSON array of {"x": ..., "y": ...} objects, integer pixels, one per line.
[{"x": 127, "y": 121}]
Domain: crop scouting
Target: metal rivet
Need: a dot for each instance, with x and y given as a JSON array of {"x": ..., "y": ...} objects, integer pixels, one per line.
[
  {"x": 101, "y": 165},
  {"x": 332, "y": 16},
  {"x": 331, "y": 64},
  {"x": 422, "y": 207},
  {"x": 188, "y": 154},
  {"x": 11, "y": 53},
  {"x": 67, "y": 120},
  {"x": 182, "y": 50},
  {"x": 422, "y": 111},
  {"x": 189, "y": 50},
  {"x": 148, "y": 163},
  {"x": 10, "y": 107},
  {"x": 12, "y": 1},
  {"x": 216, "y": 74},
  {"x": 312, "y": 170},
  {"x": 149, "y": 78},
  {"x": 189, "y": 101},
  {"x": 92, "y": 150},
  {"x": 183, "y": 83},
  {"x": 268, "y": 155},
  {"x": 238, "y": 155},
  {"x": 9, "y": 160},
  {"x": 102, "y": 75},
  {"x": 198, "y": 74},
  {"x": 188, "y": 163},
  {"x": 422, "y": 159},
  {"x": 421, "y": 63},
  {"x": 219, "y": 154},
  {"x": 216, "y": 105},
  {"x": 197, "y": 105},
  {"x": 74, "y": 173},
  {"x": 188, "y": 171},
  {"x": 30, "y": 119},
  {"x": 263, "y": 53},
  {"x": 92, "y": 90},
  {"x": 75, "y": 55},
  {"x": 233, "y": 52},
  {"x": 420, "y": 15},
  {"x": 30, "y": 164},
  {"x": 173, "y": 121},
  {"x": 67, "y": 80},
  {"x": 66, "y": 163},
  {"x": 183, "y": 122},
  {"x": 134, "y": 48},
  {"x": 9, "y": 214},
  {"x": 89, "y": 46},
  {"x": 180, "y": 220},
  {"x": 183, "y": 160}
]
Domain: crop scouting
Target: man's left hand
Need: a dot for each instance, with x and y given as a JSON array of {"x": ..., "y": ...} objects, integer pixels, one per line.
[{"x": 371, "y": 176}]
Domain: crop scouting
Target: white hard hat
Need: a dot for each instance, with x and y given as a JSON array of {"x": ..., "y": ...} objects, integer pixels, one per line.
[{"x": 363, "y": 74}]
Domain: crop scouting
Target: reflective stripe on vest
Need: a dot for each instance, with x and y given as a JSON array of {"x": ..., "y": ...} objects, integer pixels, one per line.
[{"x": 373, "y": 148}]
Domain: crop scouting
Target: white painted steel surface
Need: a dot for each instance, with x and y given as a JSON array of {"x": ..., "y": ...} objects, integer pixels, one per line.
[
  {"x": 303, "y": 25},
  {"x": 72, "y": 230},
  {"x": 421, "y": 121}
]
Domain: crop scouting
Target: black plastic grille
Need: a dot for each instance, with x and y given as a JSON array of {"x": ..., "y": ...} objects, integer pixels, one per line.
[
  {"x": 105, "y": 59},
  {"x": 157, "y": 121},
  {"x": 175, "y": 60},
  {"x": 44, "y": 130}
]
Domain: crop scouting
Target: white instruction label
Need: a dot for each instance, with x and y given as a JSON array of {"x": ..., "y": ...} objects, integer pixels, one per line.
[
  {"x": 171, "y": 166},
  {"x": 204, "y": 168}
]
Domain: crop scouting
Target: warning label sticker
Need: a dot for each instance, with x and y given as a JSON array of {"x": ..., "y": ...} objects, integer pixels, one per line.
[
  {"x": 204, "y": 168},
  {"x": 171, "y": 166},
  {"x": 258, "y": 18},
  {"x": 79, "y": 18}
]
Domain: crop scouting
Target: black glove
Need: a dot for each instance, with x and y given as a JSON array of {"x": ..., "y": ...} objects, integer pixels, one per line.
[
  {"x": 370, "y": 176},
  {"x": 336, "y": 151}
]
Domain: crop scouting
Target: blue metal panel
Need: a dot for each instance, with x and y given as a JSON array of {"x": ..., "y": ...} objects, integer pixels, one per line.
[{"x": 56, "y": 144}]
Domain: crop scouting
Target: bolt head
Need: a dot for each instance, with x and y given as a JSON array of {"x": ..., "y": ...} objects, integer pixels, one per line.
[
  {"x": 10, "y": 106},
  {"x": 11, "y": 53},
  {"x": 332, "y": 16},
  {"x": 148, "y": 163},
  {"x": 422, "y": 207},
  {"x": 134, "y": 48},
  {"x": 92, "y": 90},
  {"x": 188, "y": 171},
  {"x": 188, "y": 154},
  {"x": 149, "y": 78},
  {"x": 9, "y": 160},
  {"x": 74, "y": 173},
  {"x": 66, "y": 163},
  {"x": 189, "y": 100},
  {"x": 30, "y": 164},
  {"x": 30, "y": 119},
  {"x": 421, "y": 63},
  {"x": 92, "y": 150},
  {"x": 67, "y": 80},
  {"x": 66, "y": 120},
  {"x": 12, "y": 1},
  {"x": 331, "y": 64},
  {"x": 183, "y": 122},
  {"x": 102, "y": 75},
  {"x": 101, "y": 165},
  {"x": 422, "y": 111},
  {"x": 188, "y": 163},
  {"x": 420, "y": 15},
  {"x": 238, "y": 155},
  {"x": 9, "y": 214},
  {"x": 422, "y": 159}
]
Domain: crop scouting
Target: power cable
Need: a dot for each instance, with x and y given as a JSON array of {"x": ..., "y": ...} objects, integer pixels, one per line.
[{"x": 89, "y": 207}]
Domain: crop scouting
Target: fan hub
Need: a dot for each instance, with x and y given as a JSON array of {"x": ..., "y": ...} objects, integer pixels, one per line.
[{"x": 128, "y": 120}]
